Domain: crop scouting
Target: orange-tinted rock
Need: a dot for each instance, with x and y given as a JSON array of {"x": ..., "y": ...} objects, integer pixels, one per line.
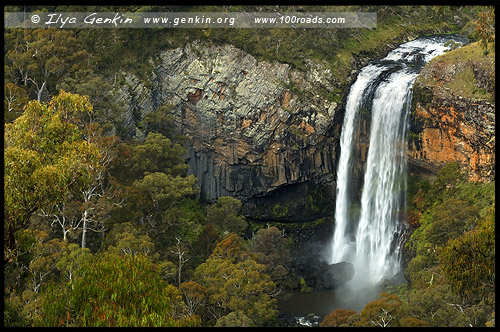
[
  {"x": 453, "y": 115},
  {"x": 453, "y": 128},
  {"x": 195, "y": 97}
]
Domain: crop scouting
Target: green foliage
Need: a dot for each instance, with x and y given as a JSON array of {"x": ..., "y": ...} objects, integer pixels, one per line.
[
  {"x": 49, "y": 162},
  {"x": 452, "y": 269},
  {"x": 148, "y": 204},
  {"x": 38, "y": 56},
  {"x": 43, "y": 267},
  {"x": 160, "y": 191},
  {"x": 70, "y": 261},
  {"x": 446, "y": 221},
  {"x": 485, "y": 27},
  {"x": 236, "y": 282},
  {"x": 400, "y": 290},
  {"x": 468, "y": 262},
  {"x": 437, "y": 305},
  {"x": 447, "y": 179},
  {"x": 45, "y": 158},
  {"x": 159, "y": 197},
  {"x": 303, "y": 286},
  {"x": 12, "y": 314},
  {"x": 230, "y": 248},
  {"x": 206, "y": 242},
  {"x": 17, "y": 261},
  {"x": 413, "y": 322},
  {"x": 428, "y": 298},
  {"x": 383, "y": 312},
  {"x": 185, "y": 220},
  {"x": 481, "y": 195},
  {"x": 101, "y": 93},
  {"x": 279, "y": 211},
  {"x": 272, "y": 249},
  {"x": 15, "y": 98},
  {"x": 194, "y": 294},
  {"x": 156, "y": 154},
  {"x": 116, "y": 291},
  {"x": 152, "y": 198},
  {"x": 235, "y": 319},
  {"x": 161, "y": 121},
  {"x": 126, "y": 239},
  {"x": 224, "y": 215},
  {"x": 51, "y": 261},
  {"x": 18, "y": 281}
]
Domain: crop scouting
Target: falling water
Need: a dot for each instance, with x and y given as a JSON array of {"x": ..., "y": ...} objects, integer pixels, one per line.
[{"x": 367, "y": 239}]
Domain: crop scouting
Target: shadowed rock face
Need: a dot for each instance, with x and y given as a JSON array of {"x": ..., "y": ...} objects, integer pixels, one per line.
[{"x": 254, "y": 127}]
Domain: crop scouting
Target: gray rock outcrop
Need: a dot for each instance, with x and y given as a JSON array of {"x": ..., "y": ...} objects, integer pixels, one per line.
[{"x": 254, "y": 127}]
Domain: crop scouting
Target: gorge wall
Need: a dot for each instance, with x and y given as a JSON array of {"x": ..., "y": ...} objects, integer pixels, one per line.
[
  {"x": 255, "y": 128},
  {"x": 264, "y": 133},
  {"x": 453, "y": 116}
]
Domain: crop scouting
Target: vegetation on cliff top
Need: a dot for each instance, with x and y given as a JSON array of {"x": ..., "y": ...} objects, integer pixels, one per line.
[
  {"x": 466, "y": 71},
  {"x": 82, "y": 59}
]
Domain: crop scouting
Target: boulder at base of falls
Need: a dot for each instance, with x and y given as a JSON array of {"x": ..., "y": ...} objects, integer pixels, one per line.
[{"x": 332, "y": 276}]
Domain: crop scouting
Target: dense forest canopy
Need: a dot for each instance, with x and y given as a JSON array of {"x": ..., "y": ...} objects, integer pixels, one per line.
[{"x": 105, "y": 229}]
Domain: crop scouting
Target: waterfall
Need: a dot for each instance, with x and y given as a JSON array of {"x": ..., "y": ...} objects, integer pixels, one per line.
[{"x": 368, "y": 239}]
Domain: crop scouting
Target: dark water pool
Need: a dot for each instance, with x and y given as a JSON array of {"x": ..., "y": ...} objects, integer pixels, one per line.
[
  {"x": 309, "y": 309},
  {"x": 302, "y": 304}
]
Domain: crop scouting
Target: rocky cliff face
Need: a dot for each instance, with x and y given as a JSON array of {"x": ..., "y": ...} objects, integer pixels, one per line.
[
  {"x": 268, "y": 135},
  {"x": 256, "y": 128},
  {"x": 454, "y": 114}
]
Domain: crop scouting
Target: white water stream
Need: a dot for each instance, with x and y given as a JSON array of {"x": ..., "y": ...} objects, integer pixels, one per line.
[{"x": 368, "y": 238}]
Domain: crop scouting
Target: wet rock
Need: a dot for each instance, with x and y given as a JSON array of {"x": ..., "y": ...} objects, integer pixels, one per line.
[{"x": 332, "y": 276}]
